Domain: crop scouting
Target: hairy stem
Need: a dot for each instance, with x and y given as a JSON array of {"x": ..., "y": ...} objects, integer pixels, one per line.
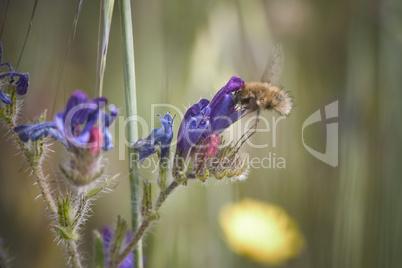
[
  {"x": 43, "y": 185},
  {"x": 163, "y": 172},
  {"x": 73, "y": 254},
  {"x": 164, "y": 194},
  {"x": 137, "y": 237},
  {"x": 44, "y": 189},
  {"x": 37, "y": 172}
]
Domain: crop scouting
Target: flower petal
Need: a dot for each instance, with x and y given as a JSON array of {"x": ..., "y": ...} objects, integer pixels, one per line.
[
  {"x": 225, "y": 114},
  {"x": 22, "y": 84},
  {"x": 108, "y": 120},
  {"x": 166, "y": 135},
  {"x": 159, "y": 136},
  {"x": 34, "y": 132},
  {"x": 79, "y": 111},
  {"x": 59, "y": 122},
  {"x": 4, "y": 98},
  {"x": 145, "y": 148},
  {"x": 77, "y": 97},
  {"x": 235, "y": 83},
  {"x": 209, "y": 147},
  {"x": 107, "y": 140},
  {"x": 188, "y": 133}
]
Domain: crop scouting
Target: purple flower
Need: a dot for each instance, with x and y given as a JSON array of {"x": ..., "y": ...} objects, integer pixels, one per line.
[
  {"x": 106, "y": 121},
  {"x": 223, "y": 108},
  {"x": 80, "y": 115},
  {"x": 76, "y": 125},
  {"x": 161, "y": 137},
  {"x": 4, "y": 98},
  {"x": 21, "y": 85},
  {"x": 36, "y": 131},
  {"x": 107, "y": 238},
  {"x": 206, "y": 118}
]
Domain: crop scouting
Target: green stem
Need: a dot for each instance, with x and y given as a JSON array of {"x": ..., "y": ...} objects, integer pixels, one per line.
[
  {"x": 163, "y": 195},
  {"x": 73, "y": 254},
  {"x": 44, "y": 189},
  {"x": 163, "y": 172},
  {"x": 137, "y": 237},
  {"x": 105, "y": 21},
  {"x": 37, "y": 172},
  {"x": 34, "y": 160},
  {"x": 131, "y": 107}
]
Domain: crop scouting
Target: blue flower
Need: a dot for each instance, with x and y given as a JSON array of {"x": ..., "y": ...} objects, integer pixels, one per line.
[
  {"x": 206, "y": 118},
  {"x": 81, "y": 114},
  {"x": 107, "y": 238},
  {"x": 4, "y": 98},
  {"x": 193, "y": 125},
  {"x": 21, "y": 85},
  {"x": 76, "y": 125},
  {"x": 36, "y": 131},
  {"x": 106, "y": 121},
  {"x": 159, "y": 136}
]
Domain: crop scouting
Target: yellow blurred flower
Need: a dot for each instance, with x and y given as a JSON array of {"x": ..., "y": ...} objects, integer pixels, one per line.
[{"x": 261, "y": 231}]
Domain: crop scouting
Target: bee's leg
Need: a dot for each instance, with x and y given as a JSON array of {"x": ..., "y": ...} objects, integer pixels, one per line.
[
  {"x": 256, "y": 120},
  {"x": 244, "y": 137},
  {"x": 247, "y": 134}
]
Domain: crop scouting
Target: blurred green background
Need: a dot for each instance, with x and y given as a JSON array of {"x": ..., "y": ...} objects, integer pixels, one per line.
[{"x": 346, "y": 51}]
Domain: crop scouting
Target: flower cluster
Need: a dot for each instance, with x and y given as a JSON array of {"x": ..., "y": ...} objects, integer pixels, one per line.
[
  {"x": 77, "y": 128},
  {"x": 200, "y": 152},
  {"x": 206, "y": 118},
  {"x": 9, "y": 89},
  {"x": 21, "y": 86}
]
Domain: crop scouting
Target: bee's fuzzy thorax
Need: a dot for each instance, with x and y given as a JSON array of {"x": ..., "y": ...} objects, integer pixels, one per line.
[{"x": 257, "y": 95}]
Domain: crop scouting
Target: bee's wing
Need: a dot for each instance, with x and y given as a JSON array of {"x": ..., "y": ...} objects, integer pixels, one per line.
[{"x": 275, "y": 65}]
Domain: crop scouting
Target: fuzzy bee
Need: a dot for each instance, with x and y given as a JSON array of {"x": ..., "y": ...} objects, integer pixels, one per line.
[{"x": 255, "y": 96}]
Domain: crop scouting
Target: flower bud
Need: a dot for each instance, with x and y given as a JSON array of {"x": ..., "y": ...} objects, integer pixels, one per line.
[{"x": 208, "y": 148}]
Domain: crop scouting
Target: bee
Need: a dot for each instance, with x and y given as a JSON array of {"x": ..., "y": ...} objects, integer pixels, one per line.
[{"x": 255, "y": 96}]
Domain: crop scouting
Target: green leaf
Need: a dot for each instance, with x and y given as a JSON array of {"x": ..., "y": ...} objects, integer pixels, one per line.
[
  {"x": 118, "y": 239},
  {"x": 65, "y": 234},
  {"x": 105, "y": 21},
  {"x": 100, "y": 258}
]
